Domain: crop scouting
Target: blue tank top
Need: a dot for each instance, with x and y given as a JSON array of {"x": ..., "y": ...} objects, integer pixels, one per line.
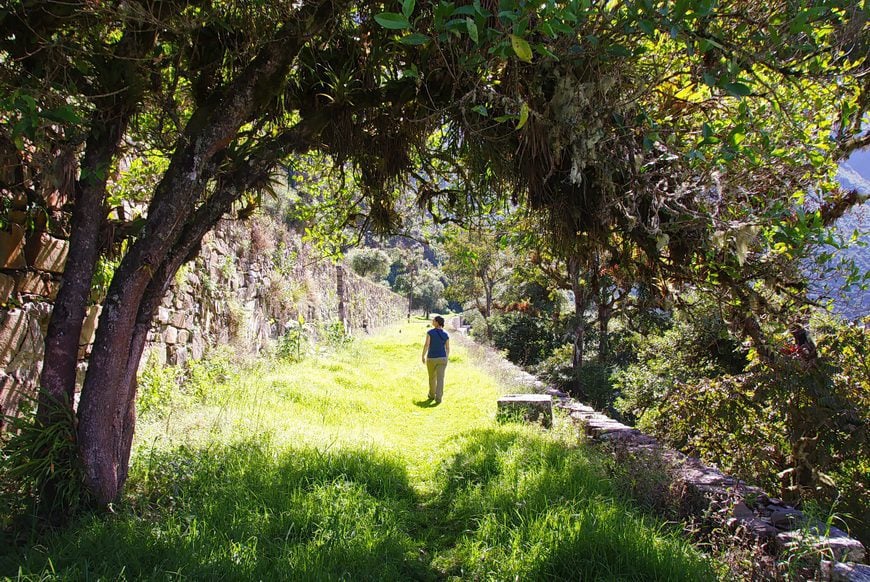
[{"x": 437, "y": 338}]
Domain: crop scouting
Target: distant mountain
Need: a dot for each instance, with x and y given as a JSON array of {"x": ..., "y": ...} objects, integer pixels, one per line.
[{"x": 854, "y": 174}]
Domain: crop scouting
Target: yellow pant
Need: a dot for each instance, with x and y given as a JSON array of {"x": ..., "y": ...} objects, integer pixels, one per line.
[{"x": 436, "y": 368}]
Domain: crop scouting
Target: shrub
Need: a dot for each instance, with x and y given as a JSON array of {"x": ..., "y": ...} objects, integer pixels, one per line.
[
  {"x": 40, "y": 472},
  {"x": 158, "y": 387},
  {"x": 526, "y": 339},
  {"x": 698, "y": 346},
  {"x": 795, "y": 426},
  {"x": 557, "y": 370},
  {"x": 295, "y": 344},
  {"x": 204, "y": 376},
  {"x": 334, "y": 334}
]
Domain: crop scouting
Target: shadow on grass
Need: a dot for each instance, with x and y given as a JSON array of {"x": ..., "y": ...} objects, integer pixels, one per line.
[
  {"x": 511, "y": 504},
  {"x": 244, "y": 512},
  {"x": 515, "y": 504}
]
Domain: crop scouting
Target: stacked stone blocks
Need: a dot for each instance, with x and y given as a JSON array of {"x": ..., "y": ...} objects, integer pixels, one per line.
[{"x": 249, "y": 281}]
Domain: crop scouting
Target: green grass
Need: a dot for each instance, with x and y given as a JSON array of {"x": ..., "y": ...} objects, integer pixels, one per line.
[{"x": 337, "y": 468}]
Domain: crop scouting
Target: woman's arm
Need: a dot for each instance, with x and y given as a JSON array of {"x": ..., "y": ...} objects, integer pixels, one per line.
[
  {"x": 447, "y": 348},
  {"x": 425, "y": 348}
]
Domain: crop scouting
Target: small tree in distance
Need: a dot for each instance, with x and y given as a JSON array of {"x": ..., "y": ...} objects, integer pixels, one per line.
[{"x": 370, "y": 263}]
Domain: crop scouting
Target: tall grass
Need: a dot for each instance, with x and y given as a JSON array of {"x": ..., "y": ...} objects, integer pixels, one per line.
[{"x": 338, "y": 468}]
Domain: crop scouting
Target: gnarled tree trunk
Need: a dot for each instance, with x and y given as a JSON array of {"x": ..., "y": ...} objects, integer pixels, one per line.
[{"x": 106, "y": 416}]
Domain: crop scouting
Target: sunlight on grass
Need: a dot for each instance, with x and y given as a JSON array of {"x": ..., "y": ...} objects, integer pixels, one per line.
[
  {"x": 373, "y": 394},
  {"x": 338, "y": 468}
]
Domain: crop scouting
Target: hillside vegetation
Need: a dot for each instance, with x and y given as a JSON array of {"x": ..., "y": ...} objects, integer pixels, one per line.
[{"x": 336, "y": 467}]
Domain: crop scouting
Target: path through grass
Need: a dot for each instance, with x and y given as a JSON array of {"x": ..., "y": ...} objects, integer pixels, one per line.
[{"x": 338, "y": 468}]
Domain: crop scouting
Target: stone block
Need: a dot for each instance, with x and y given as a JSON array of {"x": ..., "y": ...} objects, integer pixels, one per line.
[
  {"x": 154, "y": 354},
  {"x": 89, "y": 325},
  {"x": 7, "y": 286},
  {"x": 183, "y": 336},
  {"x": 11, "y": 393},
  {"x": 197, "y": 347},
  {"x": 181, "y": 320},
  {"x": 745, "y": 518},
  {"x": 13, "y": 331},
  {"x": 787, "y": 518},
  {"x": 837, "y": 544},
  {"x": 37, "y": 284},
  {"x": 47, "y": 253},
  {"x": 845, "y": 572},
  {"x": 170, "y": 335},
  {"x": 163, "y": 315},
  {"x": 55, "y": 199},
  {"x": 529, "y": 407},
  {"x": 12, "y": 247},
  {"x": 177, "y": 355}
]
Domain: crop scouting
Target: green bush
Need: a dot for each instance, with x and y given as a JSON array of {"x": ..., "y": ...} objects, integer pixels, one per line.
[
  {"x": 163, "y": 388},
  {"x": 158, "y": 387},
  {"x": 295, "y": 344},
  {"x": 204, "y": 377},
  {"x": 795, "y": 426},
  {"x": 334, "y": 334},
  {"x": 697, "y": 346},
  {"x": 40, "y": 472},
  {"x": 592, "y": 385},
  {"x": 556, "y": 370},
  {"x": 526, "y": 339}
]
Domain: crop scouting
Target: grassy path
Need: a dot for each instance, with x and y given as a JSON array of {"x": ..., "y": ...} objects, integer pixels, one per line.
[{"x": 337, "y": 468}]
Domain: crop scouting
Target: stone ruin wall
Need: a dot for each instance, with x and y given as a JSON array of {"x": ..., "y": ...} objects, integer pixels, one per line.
[{"x": 250, "y": 279}]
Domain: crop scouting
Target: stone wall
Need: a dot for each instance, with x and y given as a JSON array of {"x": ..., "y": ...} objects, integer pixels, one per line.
[{"x": 250, "y": 279}]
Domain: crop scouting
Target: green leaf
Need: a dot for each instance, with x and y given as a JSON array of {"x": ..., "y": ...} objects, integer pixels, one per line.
[
  {"x": 545, "y": 52},
  {"x": 707, "y": 131},
  {"x": 521, "y": 48},
  {"x": 414, "y": 39},
  {"x": 737, "y": 138},
  {"x": 618, "y": 50},
  {"x": 392, "y": 20},
  {"x": 481, "y": 110},
  {"x": 408, "y": 7},
  {"x": 62, "y": 115},
  {"x": 472, "y": 29},
  {"x": 545, "y": 28},
  {"x": 737, "y": 89},
  {"x": 647, "y": 26},
  {"x": 524, "y": 115},
  {"x": 467, "y": 10}
]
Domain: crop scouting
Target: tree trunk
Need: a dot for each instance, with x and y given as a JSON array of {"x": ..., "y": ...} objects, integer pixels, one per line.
[
  {"x": 604, "y": 313},
  {"x": 580, "y": 302},
  {"x": 58, "y": 379},
  {"x": 106, "y": 412},
  {"x": 487, "y": 308},
  {"x": 110, "y": 121}
]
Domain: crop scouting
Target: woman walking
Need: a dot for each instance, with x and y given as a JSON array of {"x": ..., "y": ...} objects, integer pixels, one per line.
[{"x": 436, "y": 350}]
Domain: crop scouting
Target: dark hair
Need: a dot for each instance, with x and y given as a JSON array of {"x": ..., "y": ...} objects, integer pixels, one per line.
[{"x": 439, "y": 320}]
